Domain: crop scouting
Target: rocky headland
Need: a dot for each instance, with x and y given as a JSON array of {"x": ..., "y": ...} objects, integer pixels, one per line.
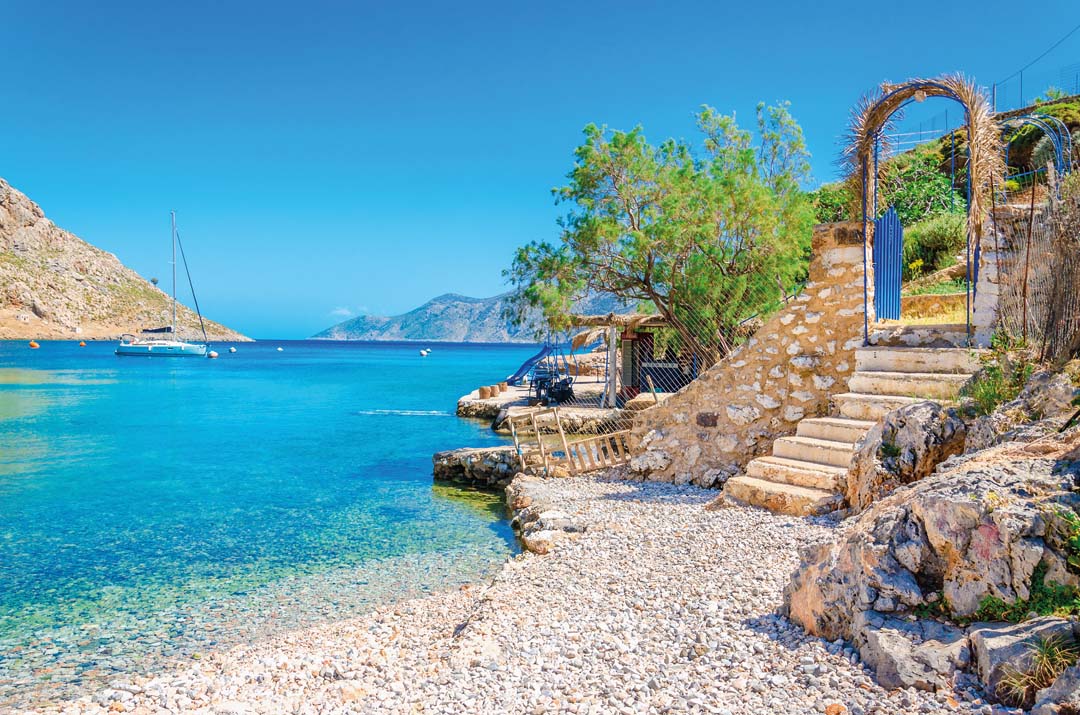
[
  {"x": 457, "y": 318},
  {"x": 54, "y": 285}
]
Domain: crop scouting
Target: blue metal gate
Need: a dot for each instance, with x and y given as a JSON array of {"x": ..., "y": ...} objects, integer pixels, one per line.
[{"x": 888, "y": 264}]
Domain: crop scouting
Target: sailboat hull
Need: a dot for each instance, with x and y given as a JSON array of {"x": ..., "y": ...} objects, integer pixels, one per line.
[{"x": 161, "y": 349}]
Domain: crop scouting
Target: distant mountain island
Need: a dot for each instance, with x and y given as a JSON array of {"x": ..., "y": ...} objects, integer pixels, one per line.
[
  {"x": 54, "y": 285},
  {"x": 455, "y": 318}
]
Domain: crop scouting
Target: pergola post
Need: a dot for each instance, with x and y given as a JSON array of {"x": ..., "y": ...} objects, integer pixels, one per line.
[{"x": 611, "y": 391}]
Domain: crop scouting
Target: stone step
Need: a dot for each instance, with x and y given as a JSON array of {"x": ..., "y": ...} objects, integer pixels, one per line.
[
  {"x": 838, "y": 429},
  {"x": 869, "y": 407},
  {"x": 937, "y": 360},
  {"x": 798, "y": 473},
  {"x": 808, "y": 449},
  {"x": 782, "y": 498},
  {"x": 950, "y": 335},
  {"x": 927, "y": 385}
]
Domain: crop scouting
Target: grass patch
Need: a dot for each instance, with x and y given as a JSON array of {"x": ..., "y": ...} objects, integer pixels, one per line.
[
  {"x": 1047, "y": 599},
  {"x": 1050, "y": 657},
  {"x": 947, "y": 287}
]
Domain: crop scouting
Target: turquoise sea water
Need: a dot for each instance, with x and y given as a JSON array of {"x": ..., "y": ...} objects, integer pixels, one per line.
[{"x": 153, "y": 510}]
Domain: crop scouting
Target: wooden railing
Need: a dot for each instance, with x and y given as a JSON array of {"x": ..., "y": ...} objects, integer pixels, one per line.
[
  {"x": 580, "y": 456},
  {"x": 601, "y": 451}
]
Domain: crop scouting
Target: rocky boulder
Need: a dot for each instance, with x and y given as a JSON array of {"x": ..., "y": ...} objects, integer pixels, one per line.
[
  {"x": 537, "y": 517},
  {"x": 912, "y": 654},
  {"x": 1061, "y": 698},
  {"x": 905, "y": 447},
  {"x": 979, "y": 527},
  {"x": 476, "y": 466}
]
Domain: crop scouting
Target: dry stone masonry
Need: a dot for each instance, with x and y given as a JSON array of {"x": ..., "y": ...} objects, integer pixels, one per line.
[{"x": 709, "y": 430}]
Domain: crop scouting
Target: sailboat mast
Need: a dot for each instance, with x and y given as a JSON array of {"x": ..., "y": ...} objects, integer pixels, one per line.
[{"x": 173, "y": 215}]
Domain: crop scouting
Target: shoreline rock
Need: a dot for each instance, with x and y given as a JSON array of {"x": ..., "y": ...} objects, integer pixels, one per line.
[{"x": 489, "y": 467}]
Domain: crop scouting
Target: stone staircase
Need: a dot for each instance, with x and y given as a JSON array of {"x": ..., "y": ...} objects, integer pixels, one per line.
[{"x": 807, "y": 473}]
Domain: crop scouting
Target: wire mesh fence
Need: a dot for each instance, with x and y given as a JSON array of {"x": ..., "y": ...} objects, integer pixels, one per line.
[
  {"x": 617, "y": 364},
  {"x": 1035, "y": 85},
  {"x": 1039, "y": 269}
]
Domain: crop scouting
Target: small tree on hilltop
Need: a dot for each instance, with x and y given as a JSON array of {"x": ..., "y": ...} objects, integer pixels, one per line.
[{"x": 706, "y": 241}]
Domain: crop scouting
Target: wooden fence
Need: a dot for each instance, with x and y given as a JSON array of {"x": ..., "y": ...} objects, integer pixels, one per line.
[{"x": 575, "y": 456}]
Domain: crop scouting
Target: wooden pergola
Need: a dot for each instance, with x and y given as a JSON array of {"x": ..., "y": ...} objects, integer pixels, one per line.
[{"x": 597, "y": 326}]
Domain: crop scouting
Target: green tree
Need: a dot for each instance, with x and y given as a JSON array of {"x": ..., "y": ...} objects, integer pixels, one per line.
[{"x": 706, "y": 239}]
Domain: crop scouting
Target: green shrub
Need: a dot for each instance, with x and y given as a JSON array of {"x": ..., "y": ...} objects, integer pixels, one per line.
[
  {"x": 833, "y": 202},
  {"x": 1000, "y": 381},
  {"x": 1047, "y": 599},
  {"x": 1012, "y": 185},
  {"x": 934, "y": 241},
  {"x": 915, "y": 186}
]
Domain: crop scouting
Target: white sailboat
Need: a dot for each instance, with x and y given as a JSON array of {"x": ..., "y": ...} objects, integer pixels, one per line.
[{"x": 139, "y": 346}]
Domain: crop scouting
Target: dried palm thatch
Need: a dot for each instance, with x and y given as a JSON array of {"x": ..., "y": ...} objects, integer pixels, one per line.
[
  {"x": 872, "y": 117},
  {"x": 588, "y": 337},
  {"x": 619, "y": 320}
]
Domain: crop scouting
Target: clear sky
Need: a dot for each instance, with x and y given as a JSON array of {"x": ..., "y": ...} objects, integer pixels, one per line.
[{"x": 328, "y": 158}]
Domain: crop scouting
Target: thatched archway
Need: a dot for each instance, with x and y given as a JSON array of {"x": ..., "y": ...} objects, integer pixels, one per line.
[{"x": 873, "y": 116}]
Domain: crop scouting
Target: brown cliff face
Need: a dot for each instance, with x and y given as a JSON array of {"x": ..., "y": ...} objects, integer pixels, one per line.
[{"x": 54, "y": 285}]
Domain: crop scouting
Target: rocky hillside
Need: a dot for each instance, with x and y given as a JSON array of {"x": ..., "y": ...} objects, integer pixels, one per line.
[
  {"x": 453, "y": 318},
  {"x": 54, "y": 285}
]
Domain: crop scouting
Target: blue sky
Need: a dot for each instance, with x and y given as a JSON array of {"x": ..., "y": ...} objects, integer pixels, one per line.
[{"x": 336, "y": 157}]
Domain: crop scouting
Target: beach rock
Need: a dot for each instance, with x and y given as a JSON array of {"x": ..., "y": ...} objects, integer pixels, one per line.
[
  {"x": 921, "y": 654},
  {"x": 536, "y": 515},
  {"x": 483, "y": 466},
  {"x": 1003, "y": 648},
  {"x": 1061, "y": 698},
  {"x": 905, "y": 447},
  {"x": 653, "y": 460},
  {"x": 978, "y": 528}
]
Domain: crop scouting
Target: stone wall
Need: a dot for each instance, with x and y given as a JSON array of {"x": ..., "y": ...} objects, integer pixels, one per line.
[{"x": 711, "y": 428}]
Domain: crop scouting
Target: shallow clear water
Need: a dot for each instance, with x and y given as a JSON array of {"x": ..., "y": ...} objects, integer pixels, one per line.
[{"x": 151, "y": 510}]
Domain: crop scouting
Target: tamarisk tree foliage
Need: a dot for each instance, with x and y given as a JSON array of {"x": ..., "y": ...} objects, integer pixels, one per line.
[{"x": 706, "y": 237}]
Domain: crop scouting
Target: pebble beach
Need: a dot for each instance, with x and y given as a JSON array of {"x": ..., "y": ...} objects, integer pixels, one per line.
[{"x": 658, "y": 606}]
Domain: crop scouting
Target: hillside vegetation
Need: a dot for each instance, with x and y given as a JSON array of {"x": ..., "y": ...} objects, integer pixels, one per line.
[{"x": 929, "y": 196}]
